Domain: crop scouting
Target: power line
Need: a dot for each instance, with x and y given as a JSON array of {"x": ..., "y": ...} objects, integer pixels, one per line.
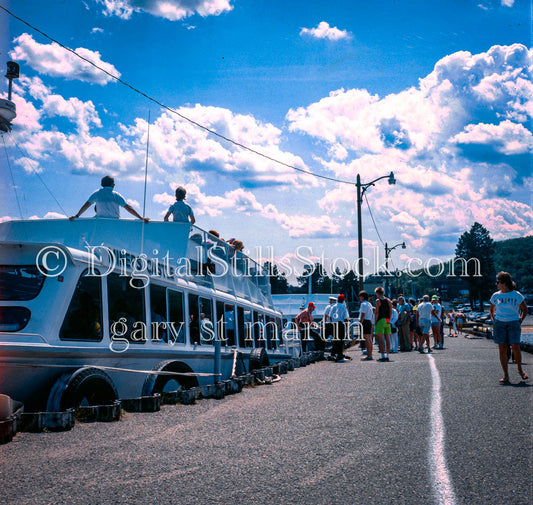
[
  {"x": 26, "y": 156},
  {"x": 173, "y": 111},
  {"x": 372, "y": 216}
]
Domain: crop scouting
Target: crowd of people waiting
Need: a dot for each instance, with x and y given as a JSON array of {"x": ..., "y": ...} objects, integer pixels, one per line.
[{"x": 394, "y": 325}]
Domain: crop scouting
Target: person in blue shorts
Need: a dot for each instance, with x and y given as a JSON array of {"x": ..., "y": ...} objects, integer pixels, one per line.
[
  {"x": 507, "y": 310},
  {"x": 423, "y": 314}
]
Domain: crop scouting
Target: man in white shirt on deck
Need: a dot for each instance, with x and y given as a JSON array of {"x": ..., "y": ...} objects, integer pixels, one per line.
[{"x": 108, "y": 202}]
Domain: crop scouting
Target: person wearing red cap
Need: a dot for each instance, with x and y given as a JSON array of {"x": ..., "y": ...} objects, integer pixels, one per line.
[{"x": 303, "y": 321}]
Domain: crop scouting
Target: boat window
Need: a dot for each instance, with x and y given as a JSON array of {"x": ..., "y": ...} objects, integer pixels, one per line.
[
  {"x": 259, "y": 329},
  {"x": 226, "y": 323},
  {"x": 279, "y": 333},
  {"x": 176, "y": 317},
  {"x": 248, "y": 328},
  {"x": 20, "y": 282},
  {"x": 240, "y": 326},
  {"x": 194, "y": 318},
  {"x": 126, "y": 308},
  {"x": 270, "y": 332},
  {"x": 207, "y": 328},
  {"x": 83, "y": 320},
  {"x": 158, "y": 313},
  {"x": 201, "y": 320},
  {"x": 229, "y": 319},
  {"x": 14, "y": 318}
]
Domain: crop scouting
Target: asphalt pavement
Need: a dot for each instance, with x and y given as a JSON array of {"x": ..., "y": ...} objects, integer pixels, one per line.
[{"x": 330, "y": 433}]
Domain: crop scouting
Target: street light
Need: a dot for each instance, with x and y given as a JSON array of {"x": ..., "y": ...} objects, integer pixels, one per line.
[
  {"x": 387, "y": 254},
  {"x": 361, "y": 188}
]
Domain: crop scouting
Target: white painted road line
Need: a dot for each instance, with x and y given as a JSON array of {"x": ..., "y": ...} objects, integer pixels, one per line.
[{"x": 441, "y": 482}]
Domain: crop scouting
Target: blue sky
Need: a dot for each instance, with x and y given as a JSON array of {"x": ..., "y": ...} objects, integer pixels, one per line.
[{"x": 440, "y": 92}]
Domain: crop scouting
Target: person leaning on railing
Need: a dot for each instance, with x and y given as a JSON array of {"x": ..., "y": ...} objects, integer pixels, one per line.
[{"x": 108, "y": 202}]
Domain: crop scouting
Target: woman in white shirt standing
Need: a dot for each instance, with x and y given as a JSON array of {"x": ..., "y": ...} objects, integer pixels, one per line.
[
  {"x": 366, "y": 317},
  {"x": 507, "y": 311}
]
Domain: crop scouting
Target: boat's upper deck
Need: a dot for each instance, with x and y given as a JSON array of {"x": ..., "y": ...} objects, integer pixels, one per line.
[{"x": 192, "y": 252}]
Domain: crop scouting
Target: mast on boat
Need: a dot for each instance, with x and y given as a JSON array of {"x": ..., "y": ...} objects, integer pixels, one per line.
[{"x": 8, "y": 110}]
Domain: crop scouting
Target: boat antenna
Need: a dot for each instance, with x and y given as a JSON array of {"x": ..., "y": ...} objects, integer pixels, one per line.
[
  {"x": 145, "y": 181},
  {"x": 12, "y": 178}
]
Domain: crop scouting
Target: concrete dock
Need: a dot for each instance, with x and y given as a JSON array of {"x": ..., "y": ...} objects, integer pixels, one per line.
[{"x": 418, "y": 430}]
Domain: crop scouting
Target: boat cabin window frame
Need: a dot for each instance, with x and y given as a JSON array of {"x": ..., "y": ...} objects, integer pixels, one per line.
[
  {"x": 226, "y": 321},
  {"x": 85, "y": 311},
  {"x": 127, "y": 313},
  {"x": 7, "y": 293},
  {"x": 14, "y": 318},
  {"x": 201, "y": 327}
]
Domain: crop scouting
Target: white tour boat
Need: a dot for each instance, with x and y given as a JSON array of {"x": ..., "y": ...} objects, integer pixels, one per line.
[{"x": 96, "y": 310}]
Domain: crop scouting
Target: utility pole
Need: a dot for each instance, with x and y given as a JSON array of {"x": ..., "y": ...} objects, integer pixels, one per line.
[{"x": 361, "y": 188}]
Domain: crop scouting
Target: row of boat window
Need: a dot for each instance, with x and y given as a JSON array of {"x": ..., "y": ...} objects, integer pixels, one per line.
[{"x": 207, "y": 319}]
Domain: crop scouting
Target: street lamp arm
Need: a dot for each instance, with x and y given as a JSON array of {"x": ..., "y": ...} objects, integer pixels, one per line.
[
  {"x": 389, "y": 249},
  {"x": 365, "y": 186},
  {"x": 371, "y": 183}
]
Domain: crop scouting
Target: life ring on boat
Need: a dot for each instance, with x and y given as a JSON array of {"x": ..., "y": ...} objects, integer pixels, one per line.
[
  {"x": 84, "y": 384},
  {"x": 258, "y": 359},
  {"x": 156, "y": 383}
]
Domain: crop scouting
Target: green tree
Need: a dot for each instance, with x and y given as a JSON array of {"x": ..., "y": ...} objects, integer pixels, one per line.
[
  {"x": 278, "y": 281},
  {"x": 320, "y": 281},
  {"x": 514, "y": 256},
  {"x": 478, "y": 246}
]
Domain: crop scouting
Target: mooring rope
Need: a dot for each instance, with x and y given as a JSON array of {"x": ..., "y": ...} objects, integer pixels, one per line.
[{"x": 113, "y": 369}]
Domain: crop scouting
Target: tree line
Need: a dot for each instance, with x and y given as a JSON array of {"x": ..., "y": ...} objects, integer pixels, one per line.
[{"x": 513, "y": 256}]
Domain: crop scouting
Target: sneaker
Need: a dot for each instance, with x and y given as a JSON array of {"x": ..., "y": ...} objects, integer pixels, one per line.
[
  {"x": 339, "y": 360},
  {"x": 429, "y": 351},
  {"x": 368, "y": 358},
  {"x": 421, "y": 350},
  {"x": 383, "y": 360}
]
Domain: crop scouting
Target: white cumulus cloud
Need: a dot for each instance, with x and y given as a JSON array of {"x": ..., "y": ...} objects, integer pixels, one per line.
[
  {"x": 52, "y": 59},
  {"x": 324, "y": 31},
  {"x": 458, "y": 143},
  {"x": 172, "y": 10}
]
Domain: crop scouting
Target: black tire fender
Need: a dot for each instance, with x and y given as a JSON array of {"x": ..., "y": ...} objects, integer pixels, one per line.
[
  {"x": 155, "y": 383},
  {"x": 258, "y": 359},
  {"x": 71, "y": 388}
]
